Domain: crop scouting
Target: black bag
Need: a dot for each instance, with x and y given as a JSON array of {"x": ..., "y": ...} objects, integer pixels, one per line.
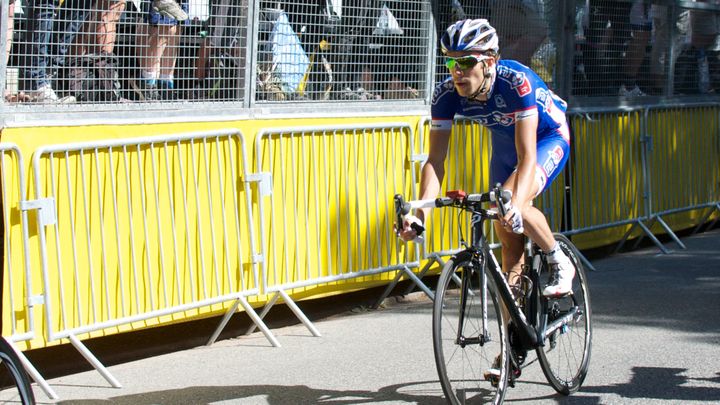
[{"x": 94, "y": 78}]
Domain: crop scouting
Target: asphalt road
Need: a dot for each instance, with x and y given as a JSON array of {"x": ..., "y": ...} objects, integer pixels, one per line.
[{"x": 656, "y": 341}]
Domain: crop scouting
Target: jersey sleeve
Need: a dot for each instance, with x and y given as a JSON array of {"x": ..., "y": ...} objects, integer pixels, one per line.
[
  {"x": 444, "y": 105},
  {"x": 519, "y": 87}
]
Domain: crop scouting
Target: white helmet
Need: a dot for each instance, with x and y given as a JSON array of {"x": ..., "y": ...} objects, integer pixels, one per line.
[{"x": 470, "y": 35}]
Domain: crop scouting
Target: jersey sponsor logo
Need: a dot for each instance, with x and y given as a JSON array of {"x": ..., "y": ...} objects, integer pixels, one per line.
[
  {"x": 553, "y": 160},
  {"x": 543, "y": 98},
  {"x": 523, "y": 114},
  {"x": 518, "y": 80},
  {"x": 504, "y": 119},
  {"x": 441, "y": 124},
  {"x": 500, "y": 101},
  {"x": 441, "y": 89}
]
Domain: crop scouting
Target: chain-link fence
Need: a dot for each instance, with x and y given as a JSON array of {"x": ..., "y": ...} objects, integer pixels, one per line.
[{"x": 248, "y": 52}]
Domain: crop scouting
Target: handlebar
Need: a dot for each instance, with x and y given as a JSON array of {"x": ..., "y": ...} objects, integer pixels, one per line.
[{"x": 459, "y": 199}]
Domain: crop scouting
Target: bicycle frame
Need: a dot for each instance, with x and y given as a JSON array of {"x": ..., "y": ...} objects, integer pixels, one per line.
[
  {"x": 530, "y": 336},
  {"x": 532, "y": 332}
]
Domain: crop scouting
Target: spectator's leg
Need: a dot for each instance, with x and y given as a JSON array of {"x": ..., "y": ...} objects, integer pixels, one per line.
[
  {"x": 166, "y": 82},
  {"x": 659, "y": 55},
  {"x": 635, "y": 56},
  {"x": 41, "y": 18},
  {"x": 106, "y": 29},
  {"x": 10, "y": 24}
]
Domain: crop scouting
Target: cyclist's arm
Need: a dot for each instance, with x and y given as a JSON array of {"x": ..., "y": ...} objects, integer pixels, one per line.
[{"x": 524, "y": 188}]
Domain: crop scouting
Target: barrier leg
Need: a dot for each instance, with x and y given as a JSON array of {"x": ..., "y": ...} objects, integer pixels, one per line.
[
  {"x": 34, "y": 373},
  {"x": 388, "y": 289},
  {"x": 264, "y": 312},
  {"x": 299, "y": 314},
  {"x": 434, "y": 258},
  {"x": 625, "y": 237},
  {"x": 653, "y": 238},
  {"x": 414, "y": 278},
  {"x": 260, "y": 324},
  {"x": 85, "y": 352},
  {"x": 649, "y": 231},
  {"x": 257, "y": 322},
  {"x": 223, "y": 322},
  {"x": 706, "y": 217},
  {"x": 671, "y": 233}
]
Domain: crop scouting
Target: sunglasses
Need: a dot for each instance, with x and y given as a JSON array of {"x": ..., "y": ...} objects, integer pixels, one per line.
[{"x": 464, "y": 62}]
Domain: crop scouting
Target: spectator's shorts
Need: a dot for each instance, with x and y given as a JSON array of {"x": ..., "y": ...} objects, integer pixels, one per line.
[
  {"x": 514, "y": 19},
  {"x": 152, "y": 17}
]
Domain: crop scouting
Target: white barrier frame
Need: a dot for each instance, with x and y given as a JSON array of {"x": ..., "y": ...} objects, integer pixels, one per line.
[
  {"x": 30, "y": 299},
  {"x": 47, "y": 218},
  {"x": 279, "y": 291}
]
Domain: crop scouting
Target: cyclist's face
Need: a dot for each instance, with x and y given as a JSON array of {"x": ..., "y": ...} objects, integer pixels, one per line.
[{"x": 468, "y": 70}]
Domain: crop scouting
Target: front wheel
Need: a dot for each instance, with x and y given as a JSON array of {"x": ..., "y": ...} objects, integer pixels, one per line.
[
  {"x": 565, "y": 356},
  {"x": 469, "y": 335},
  {"x": 14, "y": 381}
]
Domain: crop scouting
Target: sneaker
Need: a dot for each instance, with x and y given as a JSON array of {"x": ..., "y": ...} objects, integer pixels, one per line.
[
  {"x": 170, "y": 8},
  {"x": 492, "y": 374},
  {"x": 46, "y": 94},
  {"x": 144, "y": 91},
  {"x": 634, "y": 92},
  {"x": 561, "y": 278}
]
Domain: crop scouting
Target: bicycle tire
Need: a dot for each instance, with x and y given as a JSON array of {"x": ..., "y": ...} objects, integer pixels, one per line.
[
  {"x": 462, "y": 367},
  {"x": 14, "y": 381},
  {"x": 565, "y": 356}
]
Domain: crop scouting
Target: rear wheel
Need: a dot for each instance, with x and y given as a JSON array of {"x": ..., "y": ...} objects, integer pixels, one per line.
[
  {"x": 565, "y": 357},
  {"x": 14, "y": 381},
  {"x": 468, "y": 337}
]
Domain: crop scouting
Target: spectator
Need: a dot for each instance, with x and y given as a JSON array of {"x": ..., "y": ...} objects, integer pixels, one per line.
[
  {"x": 48, "y": 45},
  {"x": 703, "y": 29},
  {"x": 660, "y": 51},
  {"x": 641, "y": 26},
  {"x": 11, "y": 97},
  {"x": 221, "y": 53},
  {"x": 521, "y": 25},
  {"x": 158, "y": 44},
  {"x": 607, "y": 35}
]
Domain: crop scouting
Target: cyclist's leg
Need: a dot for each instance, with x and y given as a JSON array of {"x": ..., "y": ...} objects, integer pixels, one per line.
[
  {"x": 552, "y": 154},
  {"x": 502, "y": 171}
]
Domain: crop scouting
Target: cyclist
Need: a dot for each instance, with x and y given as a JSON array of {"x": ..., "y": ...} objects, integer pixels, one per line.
[{"x": 530, "y": 141}]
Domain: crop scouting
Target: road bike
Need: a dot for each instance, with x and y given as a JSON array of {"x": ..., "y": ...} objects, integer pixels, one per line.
[
  {"x": 14, "y": 381},
  {"x": 483, "y": 328}
]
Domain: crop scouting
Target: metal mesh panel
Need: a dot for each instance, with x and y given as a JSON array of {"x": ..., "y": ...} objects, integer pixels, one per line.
[
  {"x": 522, "y": 27},
  {"x": 643, "y": 48},
  {"x": 363, "y": 50},
  {"x": 118, "y": 51},
  {"x": 93, "y": 52}
]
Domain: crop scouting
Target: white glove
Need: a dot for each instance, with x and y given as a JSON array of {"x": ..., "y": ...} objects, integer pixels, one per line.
[{"x": 408, "y": 229}]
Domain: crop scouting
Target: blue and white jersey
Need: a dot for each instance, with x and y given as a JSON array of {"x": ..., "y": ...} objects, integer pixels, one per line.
[{"x": 517, "y": 92}]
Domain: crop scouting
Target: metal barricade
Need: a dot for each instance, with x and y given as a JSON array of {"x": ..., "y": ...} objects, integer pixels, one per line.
[
  {"x": 608, "y": 170},
  {"x": 17, "y": 273},
  {"x": 138, "y": 229},
  {"x": 327, "y": 217},
  {"x": 683, "y": 147}
]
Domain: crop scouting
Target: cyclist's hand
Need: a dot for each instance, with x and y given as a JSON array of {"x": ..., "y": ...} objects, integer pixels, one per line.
[
  {"x": 411, "y": 224},
  {"x": 512, "y": 221}
]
